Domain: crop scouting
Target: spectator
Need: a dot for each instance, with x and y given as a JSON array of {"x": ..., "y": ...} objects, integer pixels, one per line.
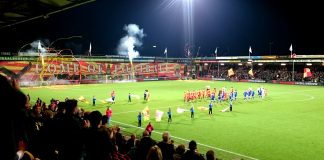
[
  {"x": 179, "y": 152},
  {"x": 192, "y": 153},
  {"x": 13, "y": 135},
  {"x": 70, "y": 133},
  {"x": 154, "y": 153},
  {"x": 145, "y": 144},
  {"x": 210, "y": 155},
  {"x": 98, "y": 145},
  {"x": 166, "y": 146}
]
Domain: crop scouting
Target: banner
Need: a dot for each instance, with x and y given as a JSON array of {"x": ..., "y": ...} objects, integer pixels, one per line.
[{"x": 67, "y": 66}]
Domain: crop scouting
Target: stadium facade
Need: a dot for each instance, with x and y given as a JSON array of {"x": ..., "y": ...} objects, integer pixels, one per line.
[{"x": 52, "y": 69}]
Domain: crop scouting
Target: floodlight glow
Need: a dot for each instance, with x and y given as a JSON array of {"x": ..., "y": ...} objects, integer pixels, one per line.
[
  {"x": 188, "y": 23},
  {"x": 154, "y": 46}
]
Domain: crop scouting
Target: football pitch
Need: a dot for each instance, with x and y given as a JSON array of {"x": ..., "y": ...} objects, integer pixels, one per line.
[{"x": 287, "y": 124}]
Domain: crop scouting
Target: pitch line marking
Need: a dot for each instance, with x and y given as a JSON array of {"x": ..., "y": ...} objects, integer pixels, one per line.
[
  {"x": 216, "y": 148},
  {"x": 141, "y": 110}
]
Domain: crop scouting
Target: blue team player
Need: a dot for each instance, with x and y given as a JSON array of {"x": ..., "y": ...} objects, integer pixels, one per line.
[
  {"x": 169, "y": 116},
  {"x": 260, "y": 92},
  {"x": 235, "y": 94},
  {"x": 231, "y": 97},
  {"x": 94, "y": 100},
  {"x": 210, "y": 108},
  {"x": 252, "y": 94},
  {"x": 245, "y": 94},
  {"x": 213, "y": 97},
  {"x": 219, "y": 97},
  {"x": 223, "y": 96},
  {"x": 249, "y": 93},
  {"x": 192, "y": 111},
  {"x": 129, "y": 97},
  {"x": 230, "y": 105}
]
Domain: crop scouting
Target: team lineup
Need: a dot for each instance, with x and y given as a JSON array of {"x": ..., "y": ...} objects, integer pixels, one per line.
[{"x": 212, "y": 97}]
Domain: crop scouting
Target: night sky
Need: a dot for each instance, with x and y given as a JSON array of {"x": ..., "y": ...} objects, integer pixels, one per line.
[{"x": 230, "y": 25}]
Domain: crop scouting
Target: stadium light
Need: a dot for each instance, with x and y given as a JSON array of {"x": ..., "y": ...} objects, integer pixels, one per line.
[
  {"x": 308, "y": 64},
  {"x": 283, "y": 64}
]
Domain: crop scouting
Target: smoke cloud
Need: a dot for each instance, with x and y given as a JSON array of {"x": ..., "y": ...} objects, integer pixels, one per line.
[
  {"x": 38, "y": 45},
  {"x": 133, "y": 39}
]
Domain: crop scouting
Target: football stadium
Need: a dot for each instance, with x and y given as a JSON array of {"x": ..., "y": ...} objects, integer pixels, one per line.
[{"x": 61, "y": 104}]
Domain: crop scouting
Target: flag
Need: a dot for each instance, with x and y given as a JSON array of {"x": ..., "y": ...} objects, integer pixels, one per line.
[
  {"x": 291, "y": 54},
  {"x": 230, "y": 72},
  {"x": 201, "y": 108},
  {"x": 251, "y": 72},
  {"x": 146, "y": 113},
  {"x": 307, "y": 73},
  {"x": 250, "y": 50},
  {"x": 180, "y": 110},
  {"x": 90, "y": 49},
  {"x": 290, "y": 48},
  {"x": 158, "y": 115},
  {"x": 39, "y": 47},
  {"x": 166, "y": 51}
]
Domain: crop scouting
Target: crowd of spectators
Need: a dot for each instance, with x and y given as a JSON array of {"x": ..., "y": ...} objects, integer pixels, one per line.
[
  {"x": 268, "y": 72},
  {"x": 63, "y": 131}
]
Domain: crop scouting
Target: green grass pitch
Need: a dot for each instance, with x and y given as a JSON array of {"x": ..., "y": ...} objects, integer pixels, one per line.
[{"x": 287, "y": 124}]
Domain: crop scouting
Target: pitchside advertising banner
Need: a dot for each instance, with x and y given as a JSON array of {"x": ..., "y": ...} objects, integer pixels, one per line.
[
  {"x": 298, "y": 83},
  {"x": 58, "y": 66}
]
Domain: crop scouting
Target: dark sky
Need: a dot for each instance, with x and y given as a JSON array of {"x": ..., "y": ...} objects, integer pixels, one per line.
[{"x": 230, "y": 25}]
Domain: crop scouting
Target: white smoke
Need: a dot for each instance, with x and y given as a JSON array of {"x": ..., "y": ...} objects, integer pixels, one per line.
[
  {"x": 133, "y": 39},
  {"x": 38, "y": 46}
]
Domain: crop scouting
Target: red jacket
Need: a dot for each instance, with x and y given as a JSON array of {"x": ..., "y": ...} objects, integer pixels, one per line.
[
  {"x": 109, "y": 112},
  {"x": 149, "y": 128}
]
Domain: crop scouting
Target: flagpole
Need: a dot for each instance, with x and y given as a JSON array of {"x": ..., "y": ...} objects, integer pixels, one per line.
[
  {"x": 293, "y": 70},
  {"x": 249, "y": 55},
  {"x": 217, "y": 64}
]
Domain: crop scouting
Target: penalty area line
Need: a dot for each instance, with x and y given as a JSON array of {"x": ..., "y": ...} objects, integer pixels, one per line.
[{"x": 216, "y": 148}]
